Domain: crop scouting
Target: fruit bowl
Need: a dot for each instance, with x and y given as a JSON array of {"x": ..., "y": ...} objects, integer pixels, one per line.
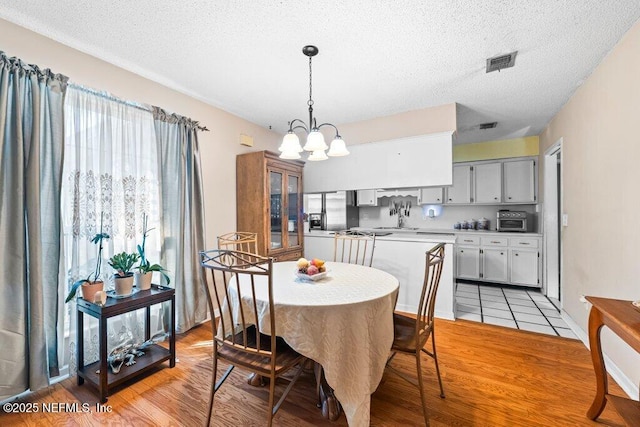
[{"x": 312, "y": 278}]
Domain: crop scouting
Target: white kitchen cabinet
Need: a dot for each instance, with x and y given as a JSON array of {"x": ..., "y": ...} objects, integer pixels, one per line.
[
  {"x": 520, "y": 181},
  {"x": 405, "y": 260},
  {"x": 468, "y": 262},
  {"x": 318, "y": 247},
  {"x": 367, "y": 198},
  {"x": 499, "y": 257},
  {"x": 487, "y": 182},
  {"x": 416, "y": 161},
  {"x": 524, "y": 267},
  {"x": 431, "y": 196},
  {"x": 460, "y": 191},
  {"x": 495, "y": 264}
]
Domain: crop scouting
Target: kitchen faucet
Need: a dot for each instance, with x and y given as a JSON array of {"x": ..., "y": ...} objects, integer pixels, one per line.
[{"x": 400, "y": 219}]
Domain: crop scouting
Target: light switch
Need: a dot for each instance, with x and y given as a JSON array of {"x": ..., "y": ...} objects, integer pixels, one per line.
[{"x": 565, "y": 220}]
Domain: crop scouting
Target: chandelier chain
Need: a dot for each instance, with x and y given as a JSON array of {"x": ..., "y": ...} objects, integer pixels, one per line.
[{"x": 310, "y": 102}]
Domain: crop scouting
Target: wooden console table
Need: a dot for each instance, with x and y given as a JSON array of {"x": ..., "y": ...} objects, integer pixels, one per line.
[
  {"x": 105, "y": 380},
  {"x": 624, "y": 320}
]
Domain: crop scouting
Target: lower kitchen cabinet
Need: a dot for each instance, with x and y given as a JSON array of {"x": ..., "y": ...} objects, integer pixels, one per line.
[
  {"x": 499, "y": 258},
  {"x": 495, "y": 265},
  {"x": 524, "y": 267},
  {"x": 468, "y": 263}
]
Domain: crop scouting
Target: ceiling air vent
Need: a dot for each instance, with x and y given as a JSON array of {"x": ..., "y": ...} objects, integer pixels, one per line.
[
  {"x": 502, "y": 61},
  {"x": 488, "y": 125}
]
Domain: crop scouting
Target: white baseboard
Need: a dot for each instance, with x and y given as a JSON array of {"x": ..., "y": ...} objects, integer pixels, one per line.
[
  {"x": 618, "y": 376},
  {"x": 449, "y": 315}
]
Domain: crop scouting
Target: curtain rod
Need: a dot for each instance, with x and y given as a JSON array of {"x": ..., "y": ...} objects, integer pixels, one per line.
[{"x": 107, "y": 95}]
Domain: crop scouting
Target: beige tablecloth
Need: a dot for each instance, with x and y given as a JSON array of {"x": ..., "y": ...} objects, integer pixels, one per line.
[{"x": 344, "y": 322}]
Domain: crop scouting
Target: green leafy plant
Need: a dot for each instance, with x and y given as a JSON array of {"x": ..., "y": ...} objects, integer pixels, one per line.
[
  {"x": 97, "y": 239},
  {"x": 145, "y": 266},
  {"x": 123, "y": 263}
]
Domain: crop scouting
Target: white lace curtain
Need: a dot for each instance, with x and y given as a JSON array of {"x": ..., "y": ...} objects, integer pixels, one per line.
[{"x": 110, "y": 173}]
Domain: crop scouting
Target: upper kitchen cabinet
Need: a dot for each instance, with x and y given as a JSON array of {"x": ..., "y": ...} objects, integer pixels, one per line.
[
  {"x": 461, "y": 190},
  {"x": 487, "y": 182},
  {"x": 417, "y": 161},
  {"x": 367, "y": 198},
  {"x": 269, "y": 203},
  {"x": 520, "y": 181},
  {"x": 430, "y": 196}
]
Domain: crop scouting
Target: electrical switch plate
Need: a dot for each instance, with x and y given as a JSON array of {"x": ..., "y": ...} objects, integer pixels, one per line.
[{"x": 565, "y": 220}]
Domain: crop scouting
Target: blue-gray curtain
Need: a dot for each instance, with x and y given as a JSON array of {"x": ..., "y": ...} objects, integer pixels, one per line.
[
  {"x": 31, "y": 155},
  {"x": 182, "y": 214}
]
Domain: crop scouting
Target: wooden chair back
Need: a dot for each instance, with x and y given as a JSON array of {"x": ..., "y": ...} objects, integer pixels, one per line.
[
  {"x": 354, "y": 247},
  {"x": 427, "y": 303},
  {"x": 244, "y": 274},
  {"x": 241, "y": 241}
]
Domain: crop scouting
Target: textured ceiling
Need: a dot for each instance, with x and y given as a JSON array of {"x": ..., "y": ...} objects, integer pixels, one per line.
[{"x": 376, "y": 57}]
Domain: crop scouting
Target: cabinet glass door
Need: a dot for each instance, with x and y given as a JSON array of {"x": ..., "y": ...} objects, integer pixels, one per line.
[
  {"x": 275, "y": 209},
  {"x": 292, "y": 211}
]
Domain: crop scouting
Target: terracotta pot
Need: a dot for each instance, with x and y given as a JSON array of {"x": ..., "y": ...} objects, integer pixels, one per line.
[
  {"x": 142, "y": 281},
  {"x": 123, "y": 285},
  {"x": 89, "y": 289}
]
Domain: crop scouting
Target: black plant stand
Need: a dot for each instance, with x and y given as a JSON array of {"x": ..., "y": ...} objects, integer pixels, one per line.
[{"x": 98, "y": 373}]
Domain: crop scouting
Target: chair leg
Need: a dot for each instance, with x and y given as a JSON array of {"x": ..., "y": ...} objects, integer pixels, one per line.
[
  {"x": 272, "y": 392},
  {"x": 213, "y": 382},
  {"x": 421, "y": 387},
  {"x": 435, "y": 358}
]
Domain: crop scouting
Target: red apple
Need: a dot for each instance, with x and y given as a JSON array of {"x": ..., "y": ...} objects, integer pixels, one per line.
[{"x": 312, "y": 269}]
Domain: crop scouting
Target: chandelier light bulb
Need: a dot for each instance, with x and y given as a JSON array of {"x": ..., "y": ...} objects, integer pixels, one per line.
[
  {"x": 338, "y": 148},
  {"x": 290, "y": 155},
  {"x": 290, "y": 142},
  {"x": 315, "y": 141},
  {"x": 317, "y": 156}
]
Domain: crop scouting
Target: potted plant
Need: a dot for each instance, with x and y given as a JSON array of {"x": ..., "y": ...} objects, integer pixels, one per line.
[
  {"x": 144, "y": 273},
  {"x": 123, "y": 263},
  {"x": 90, "y": 287}
]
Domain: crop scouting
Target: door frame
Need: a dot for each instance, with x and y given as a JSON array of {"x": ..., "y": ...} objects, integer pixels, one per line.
[{"x": 552, "y": 236}]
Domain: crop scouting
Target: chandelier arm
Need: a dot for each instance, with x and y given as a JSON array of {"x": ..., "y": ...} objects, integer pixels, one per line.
[
  {"x": 302, "y": 126},
  {"x": 329, "y": 124}
]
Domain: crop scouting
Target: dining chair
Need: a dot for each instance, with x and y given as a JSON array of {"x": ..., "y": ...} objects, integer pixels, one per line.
[
  {"x": 239, "y": 241},
  {"x": 354, "y": 247},
  {"x": 240, "y": 340},
  {"x": 411, "y": 334}
]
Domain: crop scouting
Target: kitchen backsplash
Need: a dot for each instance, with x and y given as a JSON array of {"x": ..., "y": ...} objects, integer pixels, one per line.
[{"x": 448, "y": 215}]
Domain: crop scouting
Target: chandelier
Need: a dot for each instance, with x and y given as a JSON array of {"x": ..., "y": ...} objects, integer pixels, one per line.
[{"x": 315, "y": 143}]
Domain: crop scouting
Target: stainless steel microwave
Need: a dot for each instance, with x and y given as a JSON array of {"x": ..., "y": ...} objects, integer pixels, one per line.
[{"x": 514, "y": 221}]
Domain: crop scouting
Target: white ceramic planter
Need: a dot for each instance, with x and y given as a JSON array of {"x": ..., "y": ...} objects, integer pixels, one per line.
[
  {"x": 123, "y": 285},
  {"x": 142, "y": 281}
]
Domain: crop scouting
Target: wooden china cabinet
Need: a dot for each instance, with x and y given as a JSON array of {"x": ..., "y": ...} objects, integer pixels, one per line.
[{"x": 269, "y": 202}]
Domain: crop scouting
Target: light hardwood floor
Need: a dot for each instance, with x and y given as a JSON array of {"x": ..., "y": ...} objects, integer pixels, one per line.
[{"x": 493, "y": 376}]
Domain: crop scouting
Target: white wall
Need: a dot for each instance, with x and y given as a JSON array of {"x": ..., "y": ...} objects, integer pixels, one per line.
[
  {"x": 218, "y": 147},
  {"x": 601, "y": 195}
]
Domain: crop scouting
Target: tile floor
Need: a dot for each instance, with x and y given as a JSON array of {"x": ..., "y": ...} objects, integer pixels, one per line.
[{"x": 510, "y": 307}]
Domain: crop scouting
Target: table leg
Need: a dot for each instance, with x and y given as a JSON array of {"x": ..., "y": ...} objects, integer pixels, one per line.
[
  {"x": 80, "y": 345},
  {"x": 104, "y": 369},
  {"x": 600, "y": 400},
  {"x": 172, "y": 342},
  {"x": 327, "y": 401}
]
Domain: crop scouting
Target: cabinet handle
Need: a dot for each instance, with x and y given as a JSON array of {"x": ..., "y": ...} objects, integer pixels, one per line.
[
  {"x": 461, "y": 251},
  {"x": 524, "y": 243},
  {"x": 449, "y": 199},
  {"x": 495, "y": 198},
  {"x": 469, "y": 241},
  {"x": 501, "y": 253},
  {"x": 509, "y": 198},
  {"x": 493, "y": 241},
  {"x": 439, "y": 199},
  {"x": 516, "y": 254}
]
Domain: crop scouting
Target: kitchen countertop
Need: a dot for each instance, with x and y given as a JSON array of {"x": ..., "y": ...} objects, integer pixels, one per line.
[{"x": 423, "y": 234}]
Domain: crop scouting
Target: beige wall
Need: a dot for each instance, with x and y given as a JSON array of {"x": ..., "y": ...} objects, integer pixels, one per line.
[
  {"x": 218, "y": 147},
  {"x": 410, "y": 123},
  {"x": 601, "y": 189}
]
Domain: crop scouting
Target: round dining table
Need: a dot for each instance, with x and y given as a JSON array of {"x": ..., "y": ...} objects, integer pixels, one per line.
[{"x": 343, "y": 321}]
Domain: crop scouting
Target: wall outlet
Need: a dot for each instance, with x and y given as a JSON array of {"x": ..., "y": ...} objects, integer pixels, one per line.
[{"x": 565, "y": 220}]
